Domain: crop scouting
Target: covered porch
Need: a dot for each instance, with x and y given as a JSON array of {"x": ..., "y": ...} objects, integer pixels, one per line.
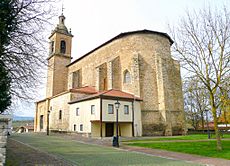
[{"x": 108, "y": 129}]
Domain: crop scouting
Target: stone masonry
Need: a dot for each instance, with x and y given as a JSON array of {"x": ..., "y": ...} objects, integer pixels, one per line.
[{"x": 4, "y": 130}]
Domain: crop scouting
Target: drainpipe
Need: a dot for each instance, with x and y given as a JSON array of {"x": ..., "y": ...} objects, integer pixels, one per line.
[
  {"x": 100, "y": 117},
  {"x": 133, "y": 117}
]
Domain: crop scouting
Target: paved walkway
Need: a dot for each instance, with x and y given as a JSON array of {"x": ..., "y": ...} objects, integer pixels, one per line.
[
  {"x": 50, "y": 150},
  {"x": 85, "y": 151},
  {"x": 19, "y": 154}
]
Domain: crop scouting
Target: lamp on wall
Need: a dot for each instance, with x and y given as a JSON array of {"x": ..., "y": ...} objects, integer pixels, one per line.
[{"x": 117, "y": 105}]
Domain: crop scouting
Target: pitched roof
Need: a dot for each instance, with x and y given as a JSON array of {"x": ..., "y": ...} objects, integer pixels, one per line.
[
  {"x": 86, "y": 89},
  {"x": 145, "y": 31},
  {"x": 110, "y": 94}
]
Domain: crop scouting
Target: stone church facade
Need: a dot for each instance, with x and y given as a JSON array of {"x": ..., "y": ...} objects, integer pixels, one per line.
[{"x": 135, "y": 68}]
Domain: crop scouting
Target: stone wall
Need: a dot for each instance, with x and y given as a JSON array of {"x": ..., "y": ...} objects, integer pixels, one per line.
[
  {"x": 155, "y": 77},
  {"x": 4, "y": 129}
]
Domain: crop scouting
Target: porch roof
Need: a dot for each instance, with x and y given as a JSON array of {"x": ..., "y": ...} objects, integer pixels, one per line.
[{"x": 109, "y": 94}]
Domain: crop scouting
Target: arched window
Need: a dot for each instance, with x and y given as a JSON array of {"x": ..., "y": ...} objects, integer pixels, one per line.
[
  {"x": 127, "y": 77},
  {"x": 63, "y": 47}
]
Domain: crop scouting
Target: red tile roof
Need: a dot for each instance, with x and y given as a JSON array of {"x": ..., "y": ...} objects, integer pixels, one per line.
[
  {"x": 120, "y": 94},
  {"x": 112, "y": 93}
]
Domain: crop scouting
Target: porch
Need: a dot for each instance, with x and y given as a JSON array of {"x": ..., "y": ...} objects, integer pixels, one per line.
[{"x": 108, "y": 129}]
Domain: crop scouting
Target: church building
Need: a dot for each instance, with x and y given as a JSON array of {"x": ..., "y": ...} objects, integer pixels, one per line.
[{"x": 131, "y": 77}]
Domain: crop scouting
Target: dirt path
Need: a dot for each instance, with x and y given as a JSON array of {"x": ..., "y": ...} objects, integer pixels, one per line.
[{"x": 19, "y": 154}]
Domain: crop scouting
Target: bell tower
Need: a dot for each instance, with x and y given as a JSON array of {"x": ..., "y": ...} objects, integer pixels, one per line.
[{"x": 59, "y": 57}]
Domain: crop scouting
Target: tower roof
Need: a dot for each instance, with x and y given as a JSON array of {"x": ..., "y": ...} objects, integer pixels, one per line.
[{"x": 61, "y": 28}]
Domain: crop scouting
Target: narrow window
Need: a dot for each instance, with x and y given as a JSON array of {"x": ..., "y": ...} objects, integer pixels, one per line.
[
  {"x": 77, "y": 111},
  {"x": 63, "y": 47},
  {"x": 60, "y": 114},
  {"x": 41, "y": 122},
  {"x": 81, "y": 127},
  {"x": 51, "y": 47},
  {"x": 92, "y": 109},
  {"x": 74, "y": 127},
  {"x": 110, "y": 108},
  {"x": 126, "y": 109},
  {"x": 127, "y": 77}
]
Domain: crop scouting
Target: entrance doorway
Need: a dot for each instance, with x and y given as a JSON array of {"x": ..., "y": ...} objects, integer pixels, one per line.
[{"x": 109, "y": 129}]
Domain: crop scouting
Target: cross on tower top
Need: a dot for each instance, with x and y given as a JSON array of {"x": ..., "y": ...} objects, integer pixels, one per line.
[{"x": 62, "y": 8}]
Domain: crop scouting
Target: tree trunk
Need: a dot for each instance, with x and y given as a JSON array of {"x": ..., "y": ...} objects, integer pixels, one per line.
[
  {"x": 202, "y": 120},
  {"x": 218, "y": 139}
]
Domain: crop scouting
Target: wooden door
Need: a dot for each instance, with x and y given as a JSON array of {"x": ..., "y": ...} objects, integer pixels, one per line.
[{"x": 109, "y": 127}]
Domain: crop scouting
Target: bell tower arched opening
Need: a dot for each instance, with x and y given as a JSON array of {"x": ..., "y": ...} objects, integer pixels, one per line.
[{"x": 62, "y": 47}]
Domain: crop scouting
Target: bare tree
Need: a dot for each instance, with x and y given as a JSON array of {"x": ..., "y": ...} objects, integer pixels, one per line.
[
  {"x": 24, "y": 52},
  {"x": 196, "y": 101},
  {"x": 202, "y": 43}
]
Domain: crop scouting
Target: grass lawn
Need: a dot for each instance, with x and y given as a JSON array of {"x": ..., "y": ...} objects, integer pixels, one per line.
[
  {"x": 187, "y": 137},
  {"x": 204, "y": 148}
]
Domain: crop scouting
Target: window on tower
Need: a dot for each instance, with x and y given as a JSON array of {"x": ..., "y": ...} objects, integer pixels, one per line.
[
  {"x": 63, "y": 47},
  {"x": 51, "y": 47}
]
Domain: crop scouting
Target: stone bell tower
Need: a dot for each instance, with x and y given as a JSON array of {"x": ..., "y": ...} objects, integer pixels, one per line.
[{"x": 59, "y": 57}]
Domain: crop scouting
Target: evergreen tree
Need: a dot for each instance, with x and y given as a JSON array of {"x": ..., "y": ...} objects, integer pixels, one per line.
[
  {"x": 5, "y": 97},
  {"x": 6, "y": 27}
]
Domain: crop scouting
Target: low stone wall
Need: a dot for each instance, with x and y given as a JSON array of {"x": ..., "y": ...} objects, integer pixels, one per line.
[{"x": 5, "y": 128}]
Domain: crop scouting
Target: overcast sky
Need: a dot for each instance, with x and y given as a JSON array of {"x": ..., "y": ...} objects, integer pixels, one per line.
[{"x": 93, "y": 22}]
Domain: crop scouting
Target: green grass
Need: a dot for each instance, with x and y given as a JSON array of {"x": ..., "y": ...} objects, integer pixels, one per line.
[
  {"x": 172, "y": 138},
  {"x": 84, "y": 154},
  {"x": 204, "y": 148}
]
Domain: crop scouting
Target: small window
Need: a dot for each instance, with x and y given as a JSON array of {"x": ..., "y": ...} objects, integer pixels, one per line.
[
  {"x": 41, "y": 122},
  {"x": 51, "y": 47},
  {"x": 63, "y": 47},
  {"x": 110, "y": 109},
  {"x": 126, "y": 109},
  {"x": 127, "y": 77},
  {"x": 77, "y": 111},
  {"x": 74, "y": 127},
  {"x": 81, "y": 127},
  {"x": 60, "y": 114},
  {"x": 92, "y": 109}
]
